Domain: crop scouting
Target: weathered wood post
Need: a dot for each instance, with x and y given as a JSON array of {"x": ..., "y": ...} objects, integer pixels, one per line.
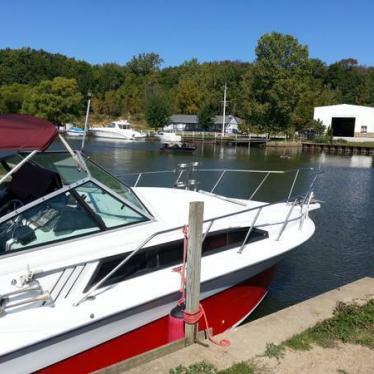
[{"x": 195, "y": 223}]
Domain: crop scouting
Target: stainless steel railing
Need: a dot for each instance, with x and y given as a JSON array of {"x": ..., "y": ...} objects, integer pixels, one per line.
[
  {"x": 303, "y": 200},
  {"x": 192, "y": 169}
]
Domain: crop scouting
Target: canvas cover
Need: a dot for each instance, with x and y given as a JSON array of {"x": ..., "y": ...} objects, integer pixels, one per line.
[{"x": 22, "y": 132}]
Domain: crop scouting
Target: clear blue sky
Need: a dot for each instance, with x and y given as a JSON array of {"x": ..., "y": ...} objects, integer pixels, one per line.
[{"x": 115, "y": 30}]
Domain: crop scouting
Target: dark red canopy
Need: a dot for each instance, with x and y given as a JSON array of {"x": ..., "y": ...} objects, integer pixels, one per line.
[{"x": 24, "y": 132}]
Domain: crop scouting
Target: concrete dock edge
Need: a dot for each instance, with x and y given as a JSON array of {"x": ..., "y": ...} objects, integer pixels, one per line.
[{"x": 251, "y": 339}]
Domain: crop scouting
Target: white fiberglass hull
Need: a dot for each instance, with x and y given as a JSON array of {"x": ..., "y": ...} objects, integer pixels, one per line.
[
  {"x": 169, "y": 138},
  {"x": 110, "y": 134},
  {"x": 42, "y": 336},
  {"x": 53, "y": 351}
]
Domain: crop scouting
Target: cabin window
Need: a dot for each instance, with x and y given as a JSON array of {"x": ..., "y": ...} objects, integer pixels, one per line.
[
  {"x": 364, "y": 129},
  {"x": 170, "y": 254}
]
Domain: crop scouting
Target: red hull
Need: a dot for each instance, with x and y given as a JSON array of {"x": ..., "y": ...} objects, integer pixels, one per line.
[{"x": 223, "y": 311}]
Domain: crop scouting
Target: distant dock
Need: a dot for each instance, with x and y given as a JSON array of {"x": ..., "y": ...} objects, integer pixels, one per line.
[
  {"x": 228, "y": 139},
  {"x": 339, "y": 148}
]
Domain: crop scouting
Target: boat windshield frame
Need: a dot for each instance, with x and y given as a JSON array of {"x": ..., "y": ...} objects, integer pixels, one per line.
[{"x": 67, "y": 187}]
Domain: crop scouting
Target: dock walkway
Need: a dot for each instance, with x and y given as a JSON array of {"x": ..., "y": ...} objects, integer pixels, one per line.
[{"x": 339, "y": 148}]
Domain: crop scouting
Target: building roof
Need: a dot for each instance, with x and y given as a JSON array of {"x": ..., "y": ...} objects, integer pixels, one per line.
[
  {"x": 193, "y": 119},
  {"x": 346, "y": 106}
]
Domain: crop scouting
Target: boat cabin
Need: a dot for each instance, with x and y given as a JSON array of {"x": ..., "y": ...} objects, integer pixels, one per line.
[{"x": 122, "y": 125}]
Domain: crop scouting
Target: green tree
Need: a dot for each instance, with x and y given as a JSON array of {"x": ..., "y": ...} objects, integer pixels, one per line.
[
  {"x": 206, "y": 116},
  {"x": 283, "y": 85},
  {"x": 189, "y": 96},
  {"x": 57, "y": 100},
  {"x": 276, "y": 81},
  {"x": 12, "y": 97},
  {"x": 30, "y": 66},
  {"x": 352, "y": 81},
  {"x": 144, "y": 64},
  {"x": 107, "y": 77},
  {"x": 157, "y": 109},
  {"x": 112, "y": 103}
]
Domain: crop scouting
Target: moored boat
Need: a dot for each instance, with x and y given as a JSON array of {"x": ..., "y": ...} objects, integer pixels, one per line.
[
  {"x": 87, "y": 263},
  {"x": 117, "y": 130},
  {"x": 177, "y": 147},
  {"x": 75, "y": 131},
  {"x": 168, "y": 137}
]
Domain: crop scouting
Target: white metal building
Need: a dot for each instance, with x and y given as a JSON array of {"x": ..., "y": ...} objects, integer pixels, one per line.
[{"x": 351, "y": 122}]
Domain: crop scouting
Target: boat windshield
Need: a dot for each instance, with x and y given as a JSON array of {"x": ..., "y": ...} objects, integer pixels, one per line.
[
  {"x": 79, "y": 211},
  {"x": 65, "y": 167},
  {"x": 124, "y": 127},
  {"x": 114, "y": 184},
  {"x": 61, "y": 163}
]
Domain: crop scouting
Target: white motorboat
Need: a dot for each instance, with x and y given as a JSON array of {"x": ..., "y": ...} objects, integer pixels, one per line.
[
  {"x": 117, "y": 130},
  {"x": 87, "y": 263},
  {"x": 74, "y": 131},
  {"x": 168, "y": 137}
]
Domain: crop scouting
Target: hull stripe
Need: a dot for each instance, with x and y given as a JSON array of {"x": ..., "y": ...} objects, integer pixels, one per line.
[{"x": 224, "y": 310}]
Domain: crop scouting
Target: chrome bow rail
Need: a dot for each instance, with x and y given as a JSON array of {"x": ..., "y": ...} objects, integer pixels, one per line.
[
  {"x": 187, "y": 176},
  {"x": 301, "y": 200}
]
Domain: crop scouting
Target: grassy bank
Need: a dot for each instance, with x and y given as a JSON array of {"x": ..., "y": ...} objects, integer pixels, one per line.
[
  {"x": 351, "y": 323},
  {"x": 284, "y": 143}
]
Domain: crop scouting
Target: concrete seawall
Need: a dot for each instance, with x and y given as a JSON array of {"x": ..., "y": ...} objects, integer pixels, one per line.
[{"x": 251, "y": 339}]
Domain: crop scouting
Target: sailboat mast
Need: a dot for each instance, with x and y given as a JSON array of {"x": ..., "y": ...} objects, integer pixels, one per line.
[{"x": 224, "y": 111}]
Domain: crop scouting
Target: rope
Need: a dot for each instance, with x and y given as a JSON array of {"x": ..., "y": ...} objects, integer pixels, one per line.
[
  {"x": 193, "y": 318},
  {"x": 221, "y": 343}
]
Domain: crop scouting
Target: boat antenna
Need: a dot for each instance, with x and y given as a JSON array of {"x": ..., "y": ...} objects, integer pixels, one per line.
[
  {"x": 224, "y": 110},
  {"x": 89, "y": 96}
]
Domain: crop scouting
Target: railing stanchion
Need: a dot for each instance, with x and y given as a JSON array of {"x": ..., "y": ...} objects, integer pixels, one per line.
[
  {"x": 286, "y": 220},
  {"x": 303, "y": 215},
  {"x": 138, "y": 179},
  {"x": 293, "y": 185},
  {"x": 250, "y": 230},
  {"x": 219, "y": 180},
  {"x": 208, "y": 229},
  {"x": 259, "y": 186}
]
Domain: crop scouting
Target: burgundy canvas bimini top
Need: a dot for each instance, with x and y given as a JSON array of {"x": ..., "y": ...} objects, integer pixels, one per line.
[{"x": 20, "y": 132}]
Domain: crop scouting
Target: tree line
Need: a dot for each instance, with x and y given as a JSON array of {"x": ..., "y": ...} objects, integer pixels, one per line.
[{"x": 276, "y": 92}]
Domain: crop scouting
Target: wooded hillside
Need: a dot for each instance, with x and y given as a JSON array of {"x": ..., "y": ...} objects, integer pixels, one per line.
[{"x": 275, "y": 92}]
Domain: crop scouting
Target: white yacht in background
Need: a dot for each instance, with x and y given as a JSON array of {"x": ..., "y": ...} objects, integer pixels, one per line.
[
  {"x": 168, "y": 137},
  {"x": 88, "y": 264},
  {"x": 121, "y": 129}
]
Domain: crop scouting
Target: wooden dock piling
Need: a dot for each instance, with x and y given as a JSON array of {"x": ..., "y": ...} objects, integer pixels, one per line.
[{"x": 195, "y": 223}]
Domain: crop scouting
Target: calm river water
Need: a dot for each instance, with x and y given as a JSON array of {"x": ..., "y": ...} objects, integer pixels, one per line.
[{"x": 342, "y": 248}]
